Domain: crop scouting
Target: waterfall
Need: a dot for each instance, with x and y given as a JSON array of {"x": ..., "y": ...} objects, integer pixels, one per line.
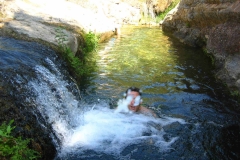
[
  {"x": 95, "y": 126},
  {"x": 40, "y": 79},
  {"x": 55, "y": 101}
]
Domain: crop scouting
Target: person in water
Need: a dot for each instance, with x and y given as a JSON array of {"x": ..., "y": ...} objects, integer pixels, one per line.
[{"x": 133, "y": 101}]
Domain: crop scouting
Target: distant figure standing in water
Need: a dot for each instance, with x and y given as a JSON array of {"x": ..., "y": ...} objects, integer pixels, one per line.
[{"x": 132, "y": 103}]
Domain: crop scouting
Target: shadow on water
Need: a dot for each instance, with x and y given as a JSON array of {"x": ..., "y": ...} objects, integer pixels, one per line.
[{"x": 177, "y": 83}]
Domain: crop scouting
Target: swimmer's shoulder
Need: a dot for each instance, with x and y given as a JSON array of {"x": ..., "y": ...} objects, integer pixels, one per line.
[{"x": 147, "y": 111}]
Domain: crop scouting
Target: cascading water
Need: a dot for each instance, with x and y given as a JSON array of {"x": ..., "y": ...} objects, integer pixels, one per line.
[
  {"x": 99, "y": 128},
  {"x": 82, "y": 127},
  {"x": 85, "y": 124},
  {"x": 79, "y": 126}
]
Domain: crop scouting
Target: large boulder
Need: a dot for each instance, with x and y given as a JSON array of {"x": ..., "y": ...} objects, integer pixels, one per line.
[
  {"x": 37, "y": 21},
  {"x": 215, "y": 26},
  {"x": 119, "y": 11}
]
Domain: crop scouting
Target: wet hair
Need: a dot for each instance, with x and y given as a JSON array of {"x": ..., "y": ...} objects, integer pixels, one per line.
[{"x": 135, "y": 89}]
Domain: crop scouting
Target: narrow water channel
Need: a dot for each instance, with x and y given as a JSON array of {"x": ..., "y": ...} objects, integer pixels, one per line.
[{"x": 195, "y": 117}]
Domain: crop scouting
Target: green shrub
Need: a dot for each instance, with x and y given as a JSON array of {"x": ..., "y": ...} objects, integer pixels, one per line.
[
  {"x": 209, "y": 55},
  {"x": 76, "y": 64},
  {"x": 164, "y": 13},
  {"x": 235, "y": 93},
  {"x": 91, "y": 41},
  {"x": 14, "y": 148}
]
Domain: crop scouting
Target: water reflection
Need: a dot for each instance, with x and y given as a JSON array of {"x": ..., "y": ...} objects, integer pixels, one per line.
[
  {"x": 176, "y": 80},
  {"x": 146, "y": 58}
]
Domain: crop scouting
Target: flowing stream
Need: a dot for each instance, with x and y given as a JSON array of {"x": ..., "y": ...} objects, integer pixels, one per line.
[{"x": 196, "y": 120}]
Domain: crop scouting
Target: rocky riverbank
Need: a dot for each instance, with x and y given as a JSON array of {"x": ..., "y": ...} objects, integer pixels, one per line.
[
  {"x": 214, "y": 26},
  {"x": 34, "y": 20}
]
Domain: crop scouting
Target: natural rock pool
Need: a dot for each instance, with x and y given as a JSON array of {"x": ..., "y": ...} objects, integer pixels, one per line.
[{"x": 195, "y": 117}]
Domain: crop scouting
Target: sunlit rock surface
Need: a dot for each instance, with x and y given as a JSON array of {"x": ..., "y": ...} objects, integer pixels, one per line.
[
  {"x": 35, "y": 20},
  {"x": 214, "y": 25},
  {"x": 39, "y": 19}
]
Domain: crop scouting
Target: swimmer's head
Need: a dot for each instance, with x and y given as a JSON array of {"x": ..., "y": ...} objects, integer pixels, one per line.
[
  {"x": 130, "y": 89},
  {"x": 133, "y": 96}
]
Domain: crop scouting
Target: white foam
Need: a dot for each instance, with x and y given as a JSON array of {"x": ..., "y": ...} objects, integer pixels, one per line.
[
  {"x": 107, "y": 131},
  {"x": 100, "y": 128},
  {"x": 122, "y": 105}
]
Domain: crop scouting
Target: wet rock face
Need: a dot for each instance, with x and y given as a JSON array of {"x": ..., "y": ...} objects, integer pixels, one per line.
[
  {"x": 214, "y": 25},
  {"x": 224, "y": 38},
  {"x": 27, "y": 125}
]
